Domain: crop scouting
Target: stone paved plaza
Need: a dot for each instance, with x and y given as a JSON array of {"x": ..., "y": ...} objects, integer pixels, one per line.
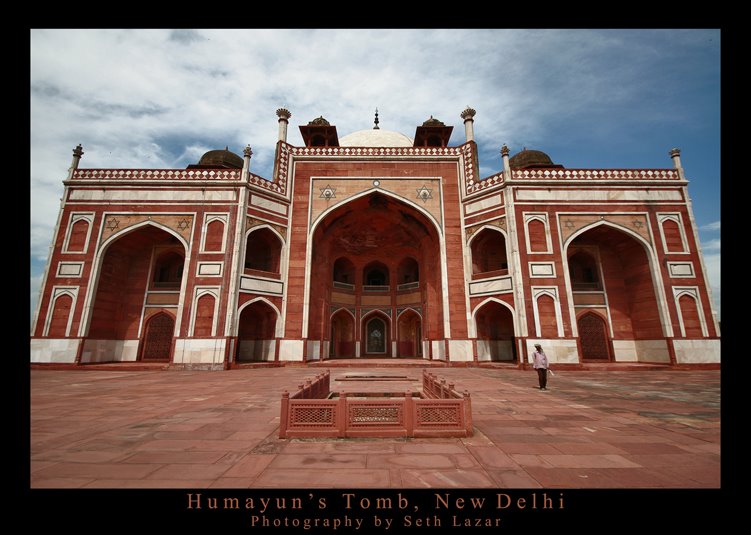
[{"x": 603, "y": 429}]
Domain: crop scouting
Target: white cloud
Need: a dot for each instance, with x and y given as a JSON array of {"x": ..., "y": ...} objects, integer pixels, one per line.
[{"x": 713, "y": 226}]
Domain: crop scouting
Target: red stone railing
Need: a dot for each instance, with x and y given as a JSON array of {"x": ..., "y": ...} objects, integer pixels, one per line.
[{"x": 441, "y": 411}]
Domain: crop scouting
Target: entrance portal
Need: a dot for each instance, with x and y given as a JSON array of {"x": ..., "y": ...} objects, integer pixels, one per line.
[
  {"x": 157, "y": 340},
  {"x": 594, "y": 337},
  {"x": 376, "y": 336}
]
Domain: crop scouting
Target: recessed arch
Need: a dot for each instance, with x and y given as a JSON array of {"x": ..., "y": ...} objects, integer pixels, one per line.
[
  {"x": 322, "y": 216},
  {"x": 407, "y": 309},
  {"x": 344, "y": 271},
  {"x": 408, "y": 271},
  {"x": 342, "y": 335},
  {"x": 376, "y": 334},
  {"x": 116, "y": 300},
  {"x": 486, "y": 226},
  {"x": 343, "y": 309},
  {"x": 409, "y": 334},
  {"x": 264, "y": 250},
  {"x": 495, "y": 330},
  {"x": 158, "y": 332},
  {"x": 251, "y": 230},
  {"x": 61, "y": 312},
  {"x": 496, "y": 300},
  {"x": 376, "y": 231},
  {"x": 621, "y": 322},
  {"x": 279, "y": 326},
  {"x": 593, "y": 336},
  {"x": 376, "y": 273},
  {"x": 489, "y": 252},
  {"x": 257, "y": 329},
  {"x": 127, "y": 230}
]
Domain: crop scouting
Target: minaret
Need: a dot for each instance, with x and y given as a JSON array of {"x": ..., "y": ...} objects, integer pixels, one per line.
[
  {"x": 284, "y": 115},
  {"x": 675, "y": 154},
  {"x": 247, "y": 153},
  {"x": 77, "y": 153},
  {"x": 376, "y": 127},
  {"x": 506, "y": 164},
  {"x": 469, "y": 119}
]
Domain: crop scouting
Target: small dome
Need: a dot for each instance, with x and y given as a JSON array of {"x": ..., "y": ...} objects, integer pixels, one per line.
[
  {"x": 530, "y": 159},
  {"x": 375, "y": 138},
  {"x": 222, "y": 158},
  {"x": 319, "y": 121},
  {"x": 433, "y": 122}
]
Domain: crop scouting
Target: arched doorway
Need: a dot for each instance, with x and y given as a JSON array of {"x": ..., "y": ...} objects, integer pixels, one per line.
[
  {"x": 614, "y": 292},
  {"x": 374, "y": 252},
  {"x": 495, "y": 333},
  {"x": 593, "y": 336},
  {"x": 342, "y": 335},
  {"x": 139, "y": 276},
  {"x": 376, "y": 336},
  {"x": 409, "y": 333},
  {"x": 157, "y": 337},
  {"x": 256, "y": 333}
]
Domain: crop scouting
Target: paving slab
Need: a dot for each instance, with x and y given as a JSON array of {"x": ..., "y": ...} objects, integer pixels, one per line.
[{"x": 110, "y": 428}]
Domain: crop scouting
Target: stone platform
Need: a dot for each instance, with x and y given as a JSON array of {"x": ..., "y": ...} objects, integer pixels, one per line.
[{"x": 603, "y": 429}]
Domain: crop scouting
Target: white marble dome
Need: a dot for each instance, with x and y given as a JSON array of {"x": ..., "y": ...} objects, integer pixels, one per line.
[{"x": 375, "y": 138}]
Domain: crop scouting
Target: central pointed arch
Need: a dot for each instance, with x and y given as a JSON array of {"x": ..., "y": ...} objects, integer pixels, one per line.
[{"x": 383, "y": 237}]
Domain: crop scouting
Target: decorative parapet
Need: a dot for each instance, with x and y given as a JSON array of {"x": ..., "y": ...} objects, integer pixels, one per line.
[
  {"x": 156, "y": 174},
  {"x": 374, "y": 151},
  {"x": 594, "y": 174},
  {"x": 589, "y": 175}
]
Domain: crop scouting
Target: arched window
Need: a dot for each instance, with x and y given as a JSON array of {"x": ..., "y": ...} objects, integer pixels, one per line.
[
  {"x": 582, "y": 269},
  {"x": 344, "y": 273},
  {"x": 376, "y": 274},
  {"x": 408, "y": 273},
  {"x": 263, "y": 251},
  {"x": 489, "y": 252},
  {"x": 168, "y": 270}
]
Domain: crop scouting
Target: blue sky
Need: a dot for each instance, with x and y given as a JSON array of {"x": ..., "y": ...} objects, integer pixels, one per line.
[{"x": 161, "y": 98}]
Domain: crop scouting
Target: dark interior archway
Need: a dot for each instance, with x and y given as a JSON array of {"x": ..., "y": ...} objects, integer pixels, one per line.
[
  {"x": 256, "y": 338},
  {"x": 375, "y": 253},
  {"x": 495, "y": 333},
  {"x": 611, "y": 278},
  {"x": 125, "y": 293}
]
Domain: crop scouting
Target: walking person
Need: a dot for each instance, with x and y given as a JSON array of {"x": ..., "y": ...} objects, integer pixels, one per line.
[{"x": 540, "y": 363}]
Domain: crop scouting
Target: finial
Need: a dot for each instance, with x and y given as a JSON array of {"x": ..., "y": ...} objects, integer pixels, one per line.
[
  {"x": 247, "y": 151},
  {"x": 283, "y": 113},
  {"x": 504, "y": 150},
  {"x": 376, "y": 127},
  {"x": 226, "y": 147},
  {"x": 78, "y": 151},
  {"x": 673, "y": 152},
  {"x": 468, "y": 113}
]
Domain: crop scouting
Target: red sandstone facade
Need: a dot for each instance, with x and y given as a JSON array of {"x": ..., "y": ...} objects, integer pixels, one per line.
[{"x": 375, "y": 245}]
